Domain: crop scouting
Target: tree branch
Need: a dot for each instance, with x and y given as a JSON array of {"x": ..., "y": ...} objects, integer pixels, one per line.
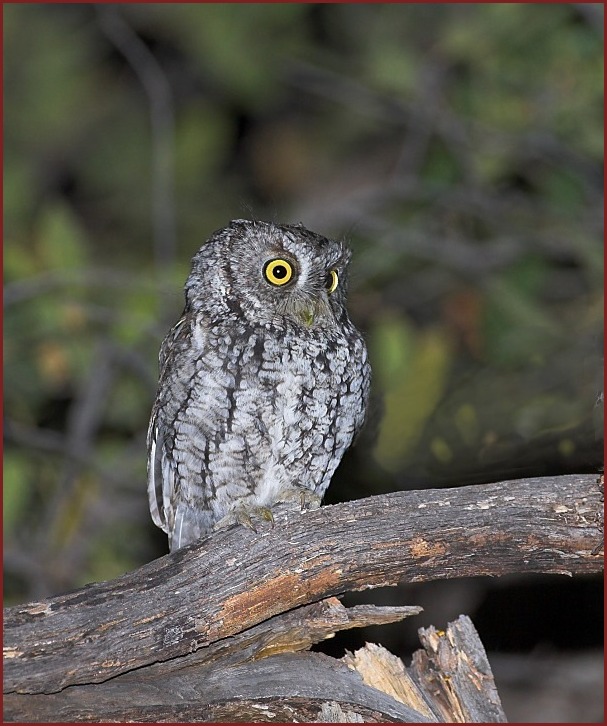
[
  {"x": 236, "y": 579},
  {"x": 449, "y": 680}
]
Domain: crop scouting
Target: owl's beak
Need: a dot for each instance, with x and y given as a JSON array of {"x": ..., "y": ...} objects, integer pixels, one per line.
[
  {"x": 307, "y": 315},
  {"x": 313, "y": 310},
  {"x": 308, "y": 310}
]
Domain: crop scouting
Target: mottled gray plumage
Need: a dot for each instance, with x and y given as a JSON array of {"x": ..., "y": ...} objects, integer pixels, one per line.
[{"x": 263, "y": 381}]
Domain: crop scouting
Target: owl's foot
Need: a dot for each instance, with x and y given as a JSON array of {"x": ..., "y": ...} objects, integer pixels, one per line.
[
  {"x": 302, "y": 497},
  {"x": 309, "y": 500},
  {"x": 245, "y": 516}
]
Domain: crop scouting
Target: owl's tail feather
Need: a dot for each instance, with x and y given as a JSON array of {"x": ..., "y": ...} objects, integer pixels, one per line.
[{"x": 189, "y": 525}]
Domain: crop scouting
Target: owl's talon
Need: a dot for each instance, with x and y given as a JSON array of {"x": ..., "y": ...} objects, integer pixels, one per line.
[
  {"x": 265, "y": 513},
  {"x": 304, "y": 499},
  {"x": 244, "y": 516},
  {"x": 309, "y": 500}
]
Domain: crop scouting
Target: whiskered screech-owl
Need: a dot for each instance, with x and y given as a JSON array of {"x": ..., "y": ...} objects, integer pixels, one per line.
[{"x": 263, "y": 383}]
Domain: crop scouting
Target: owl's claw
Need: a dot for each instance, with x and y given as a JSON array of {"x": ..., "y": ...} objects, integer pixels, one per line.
[
  {"x": 244, "y": 516},
  {"x": 309, "y": 500},
  {"x": 303, "y": 497}
]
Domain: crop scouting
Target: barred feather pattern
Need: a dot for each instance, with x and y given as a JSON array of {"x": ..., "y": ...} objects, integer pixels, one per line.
[{"x": 262, "y": 387}]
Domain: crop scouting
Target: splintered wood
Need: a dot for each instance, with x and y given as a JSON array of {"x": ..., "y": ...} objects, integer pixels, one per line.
[{"x": 449, "y": 681}]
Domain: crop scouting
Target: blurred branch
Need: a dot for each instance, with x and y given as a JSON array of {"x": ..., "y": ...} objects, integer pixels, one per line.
[
  {"x": 435, "y": 114},
  {"x": 158, "y": 90},
  {"x": 84, "y": 418},
  {"x": 160, "y": 611},
  {"x": 60, "y": 555},
  {"x": 23, "y": 290},
  {"x": 48, "y": 441}
]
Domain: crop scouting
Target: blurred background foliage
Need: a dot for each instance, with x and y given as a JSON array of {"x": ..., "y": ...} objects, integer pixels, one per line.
[{"x": 459, "y": 149}]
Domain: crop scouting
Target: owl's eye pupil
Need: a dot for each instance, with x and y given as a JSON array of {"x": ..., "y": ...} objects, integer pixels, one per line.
[{"x": 278, "y": 272}]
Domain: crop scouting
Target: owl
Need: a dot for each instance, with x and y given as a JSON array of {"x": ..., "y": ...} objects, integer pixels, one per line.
[{"x": 264, "y": 380}]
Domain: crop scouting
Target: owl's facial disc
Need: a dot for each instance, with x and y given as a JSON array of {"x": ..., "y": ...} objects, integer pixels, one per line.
[
  {"x": 300, "y": 294},
  {"x": 305, "y": 306},
  {"x": 320, "y": 306}
]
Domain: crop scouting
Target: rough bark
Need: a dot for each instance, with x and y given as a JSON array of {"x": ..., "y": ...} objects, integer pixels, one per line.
[
  {"x": 450, "y": 680},
  {"x": 238, "y": 595}
]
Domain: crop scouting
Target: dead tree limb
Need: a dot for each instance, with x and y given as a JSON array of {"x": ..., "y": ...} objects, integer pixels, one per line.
[
  {"x": 449, "y": 680},
  {"x": 216, "y": 596}
]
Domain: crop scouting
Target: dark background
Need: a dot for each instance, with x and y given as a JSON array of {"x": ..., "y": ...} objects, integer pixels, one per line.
[{"x": 458, "y": 148}]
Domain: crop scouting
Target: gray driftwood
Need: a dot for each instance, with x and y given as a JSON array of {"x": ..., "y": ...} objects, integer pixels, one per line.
[{"x": 210, "y": 632}]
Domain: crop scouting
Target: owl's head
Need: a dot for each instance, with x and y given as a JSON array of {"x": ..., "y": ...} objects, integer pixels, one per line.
[{"x": 263, "y": 271}]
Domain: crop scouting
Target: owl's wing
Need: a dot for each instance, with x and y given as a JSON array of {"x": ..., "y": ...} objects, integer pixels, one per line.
[
  {"x": 162, "y": 480},
  {"x": 365, "y": 387}
]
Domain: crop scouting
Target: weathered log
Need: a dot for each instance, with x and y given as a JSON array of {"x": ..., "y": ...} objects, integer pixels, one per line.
[
  {"x": 234, "y": 580},
  {"x": 450, "y": 680},
  {"x": 283, "y": 688}
]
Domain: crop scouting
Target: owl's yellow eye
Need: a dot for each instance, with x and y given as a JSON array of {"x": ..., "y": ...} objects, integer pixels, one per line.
[
  {"x": 278, "y": 272},
  {"x": 331, "y": 281}
]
